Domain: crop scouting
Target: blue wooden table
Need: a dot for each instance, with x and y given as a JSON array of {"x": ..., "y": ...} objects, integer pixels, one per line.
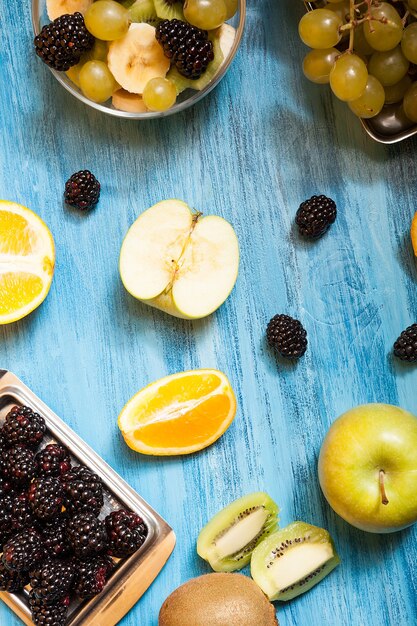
[{"x": 264, "y": 141}]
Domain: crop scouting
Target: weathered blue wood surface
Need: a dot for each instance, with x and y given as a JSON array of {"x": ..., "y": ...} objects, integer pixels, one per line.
[{"x": 252, "y": 151}]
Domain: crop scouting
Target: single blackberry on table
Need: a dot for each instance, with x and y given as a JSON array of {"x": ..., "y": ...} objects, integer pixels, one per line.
[
  {"x": 22, "y": 514},
  {"x": 48, "y": 615},
  {"x": 82, "y": 190},
  {"x": 287, "y": 336},
  {"x": 53, "y": 460},
  {"x": 23, "y": 551},
  {"x": 83, "y": 490},
  {"x": 22, "y": 425},
  {"x": 315, "y": 216},
  {"x": 46, "y": 497},
  {"x": 405, "y": 348},
  {"x": 87, "y": 534},
  {"x": 188, "y": 47},
  {"x": 92, "y": 575},
  {"x": 17, "y": 464},
  {"x": 12, "y": 581},
  {"x": 126, "y": 532},
  {"x": 61, "y": 43},
  {"x": 52, "y": 579},
  {"x": 55, "y": 536}
]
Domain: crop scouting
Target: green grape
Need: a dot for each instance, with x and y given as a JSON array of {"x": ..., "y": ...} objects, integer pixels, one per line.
[
  {"x": 333, "y": 2},
  {"x": 231, "y": 7},
  {"x": 205, "y": 14},
  {"x": 159, "y": 94},
  {"x": 395, "y": 93},
  {"x": 410, "y": 103},
  {"x": 99, "y": 51},
  {"x": 362, "y": 47},
  {"x": 320, "y": 29},
  {"x": 341, "y": 9},
  {"x": 96, "y": 81},
  {"x": 388, "y": 67},
  {"x": 371, "y": 101},
  {"x": 107, "y": 20},
  {"x": 409, "y": 42},
  {"x": 348, "y": 77},
  {"x": 318, "y": 63},
  {"x": 412, "y": 4},
  {"x": 384, "y": 36}
]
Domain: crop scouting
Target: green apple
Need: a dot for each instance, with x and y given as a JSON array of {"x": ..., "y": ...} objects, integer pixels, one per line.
[
  {"x": 368, "y": 467},
  {"x": 178, "y": 261}
]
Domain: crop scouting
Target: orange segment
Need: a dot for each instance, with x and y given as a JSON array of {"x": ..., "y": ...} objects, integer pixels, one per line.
[
  {"x": 179, "y": 414},
  {"x": 414, "y": 233}
]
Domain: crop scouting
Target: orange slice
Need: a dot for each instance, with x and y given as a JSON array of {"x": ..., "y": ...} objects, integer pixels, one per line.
[
  {"x": 27, "y": 257},
  {"x": 414, "y": 233},
  {"x": 179, "y": 414}
]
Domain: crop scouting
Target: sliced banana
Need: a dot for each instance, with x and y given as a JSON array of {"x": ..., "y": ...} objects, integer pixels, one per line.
[
  {"x": 136, "y": 58},
  {"x": 126, "y": 101},
  {"x": 56, "y": 8}
]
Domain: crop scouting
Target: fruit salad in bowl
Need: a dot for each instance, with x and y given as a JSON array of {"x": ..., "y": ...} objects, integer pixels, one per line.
[{"x": 138, "y": 58}]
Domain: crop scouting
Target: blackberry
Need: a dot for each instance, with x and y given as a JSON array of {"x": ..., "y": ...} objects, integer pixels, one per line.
[
  {"x": 48, "y": 615},
  {"x": 82, "y": 190},
  {"x": 17, "y": 464},
  {"x": 188, "y": 47},
  {"x": 6, "y": 518},
  {"x": 405, "y": 348},
  {"x": 22, "y": 425},
  {"x": 315, "y": 216},
  {"x": 22, "y": 515},
  {"x": 61, "y": 43},
  {"x": 83, "y": 490},
  {"x": 287, "y": 336},
  {"x": 23, "y": 551},
  {"x": 126, "y": 532},
  {"x": 92, "y": 575},
  {"x": 55, "y": 535},
  {"x": 87, "y": 534},
  {"x": 52, "y": 580},
  {"x": 12, "y": 581},
  {"x": 46, "y": 497},
  {"x": 53, "y": 460}
]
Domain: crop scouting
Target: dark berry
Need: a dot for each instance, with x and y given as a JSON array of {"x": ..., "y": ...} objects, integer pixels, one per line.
[
  {"x": 23, "y": 551},
  {"x": 48, "y": 615},
  {"x": 17, "y": 464},
  {"x": 315, "y": 216},
  {"x": 188, "y": 47},
  {"x": 53, "y": 460},
  {"x": 61, "y": 43},
  {"x": 92, "y": 575},
  {"x": 82, "y": 190},
  {"x": 87, "y": 534},
  {"x": 6, "y": 518},
  {"x": 126, "y": 532},
  {"x": 12, "y": 581},
  {"x": 405, "y": 348},
  {"x": 46, "y": 497},
  {"x": 22, "y": 425},
  {"x": 287, "y": 336},
  {"x": 83, "y": 490},
  {"x": 22, "y": 515},
  {"x": 55, "y": 535},
  {"x": 52, "y": 579}
]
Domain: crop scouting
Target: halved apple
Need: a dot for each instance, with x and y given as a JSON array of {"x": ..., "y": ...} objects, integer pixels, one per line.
[{"x": 178, "y": 261}]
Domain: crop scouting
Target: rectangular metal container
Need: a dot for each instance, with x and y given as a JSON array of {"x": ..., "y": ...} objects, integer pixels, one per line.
[
  {"x": 133, "y": 575},
  {"x": 391, "y": 125}
]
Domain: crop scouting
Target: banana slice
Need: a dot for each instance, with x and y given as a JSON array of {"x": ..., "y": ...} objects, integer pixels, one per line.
[
  {"x": 136, "y": 58},
  {"x": 56, "y": 8},
  {"x": 126, "y": 101}
]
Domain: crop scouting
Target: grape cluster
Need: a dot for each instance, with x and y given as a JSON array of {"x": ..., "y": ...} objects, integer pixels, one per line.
[{"x": 366, "y": 50}]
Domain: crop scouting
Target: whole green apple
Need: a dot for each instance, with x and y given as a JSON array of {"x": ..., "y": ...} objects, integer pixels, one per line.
[{"x": 368, "y": 467}]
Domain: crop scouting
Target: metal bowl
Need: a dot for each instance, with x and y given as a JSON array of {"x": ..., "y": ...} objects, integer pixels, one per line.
[
  {"x": 389, "y": 126},
  {"x": 185, "y": 99}
]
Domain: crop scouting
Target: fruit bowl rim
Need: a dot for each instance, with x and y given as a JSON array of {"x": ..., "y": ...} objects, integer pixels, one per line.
[{"x": 61, "y": 77}]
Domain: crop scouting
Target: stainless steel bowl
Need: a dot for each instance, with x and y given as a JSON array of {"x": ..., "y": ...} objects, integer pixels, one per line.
[
  {"x": 185, "y": 100},
  {"x": 391, "y": 125}
]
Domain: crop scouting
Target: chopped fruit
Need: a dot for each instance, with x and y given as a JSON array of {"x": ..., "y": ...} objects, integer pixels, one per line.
[
  {"x": 287, "y": 336},
  {"x": 414, "y": 233},
  {"x": 130, "y": 102},
  {"x": 179, "y": 414},
  {"x": 405, "y": 348},
  {"x": 82, "y": 190},
  {"x": 188, "y": 47},
  {"x": 159, "y": 94},
  {"x": 315, "y": 216},
  {"x": 61, "y": 43},
  {"x": 56, "y": 8},
  {"x": 126, "y": 532},
  {"x": 27, "y": 257},
  {"x": 22, "y": 425}
]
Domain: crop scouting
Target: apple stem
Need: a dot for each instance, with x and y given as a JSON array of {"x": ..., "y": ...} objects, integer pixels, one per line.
[{"x": 382, "y": 487}]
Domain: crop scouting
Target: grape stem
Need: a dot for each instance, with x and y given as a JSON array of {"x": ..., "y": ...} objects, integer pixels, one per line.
[{"x": 351, "y": 21}]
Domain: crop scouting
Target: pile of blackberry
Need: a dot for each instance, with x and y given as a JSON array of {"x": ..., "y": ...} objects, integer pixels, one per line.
[{"x": 50, "y": 532}]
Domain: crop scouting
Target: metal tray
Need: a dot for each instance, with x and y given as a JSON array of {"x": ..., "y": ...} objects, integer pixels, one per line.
[
  {"x": 134, "y": 574},
  {"x": 391, "y": 125}
]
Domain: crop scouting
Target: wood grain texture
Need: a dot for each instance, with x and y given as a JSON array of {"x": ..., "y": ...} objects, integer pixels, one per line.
[{"x": 252, "y": 151}]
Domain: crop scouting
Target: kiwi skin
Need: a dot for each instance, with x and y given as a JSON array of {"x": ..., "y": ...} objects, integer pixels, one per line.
[{"x": 217, "y": 600}]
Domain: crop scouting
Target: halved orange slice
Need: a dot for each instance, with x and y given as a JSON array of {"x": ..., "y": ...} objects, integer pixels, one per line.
[
  {"x": 179, "y": 414},
  {"x": 27, "y": 258},
  {"x": 414, "y": 233}
]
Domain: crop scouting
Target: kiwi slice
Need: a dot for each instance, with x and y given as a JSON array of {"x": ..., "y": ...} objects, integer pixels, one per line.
[
  {"x": 143, "y": 11},
  {"x": 293, "y": 560},
  {"x": 169, "y": 9},
  {"x": 229, "y": 538}
]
